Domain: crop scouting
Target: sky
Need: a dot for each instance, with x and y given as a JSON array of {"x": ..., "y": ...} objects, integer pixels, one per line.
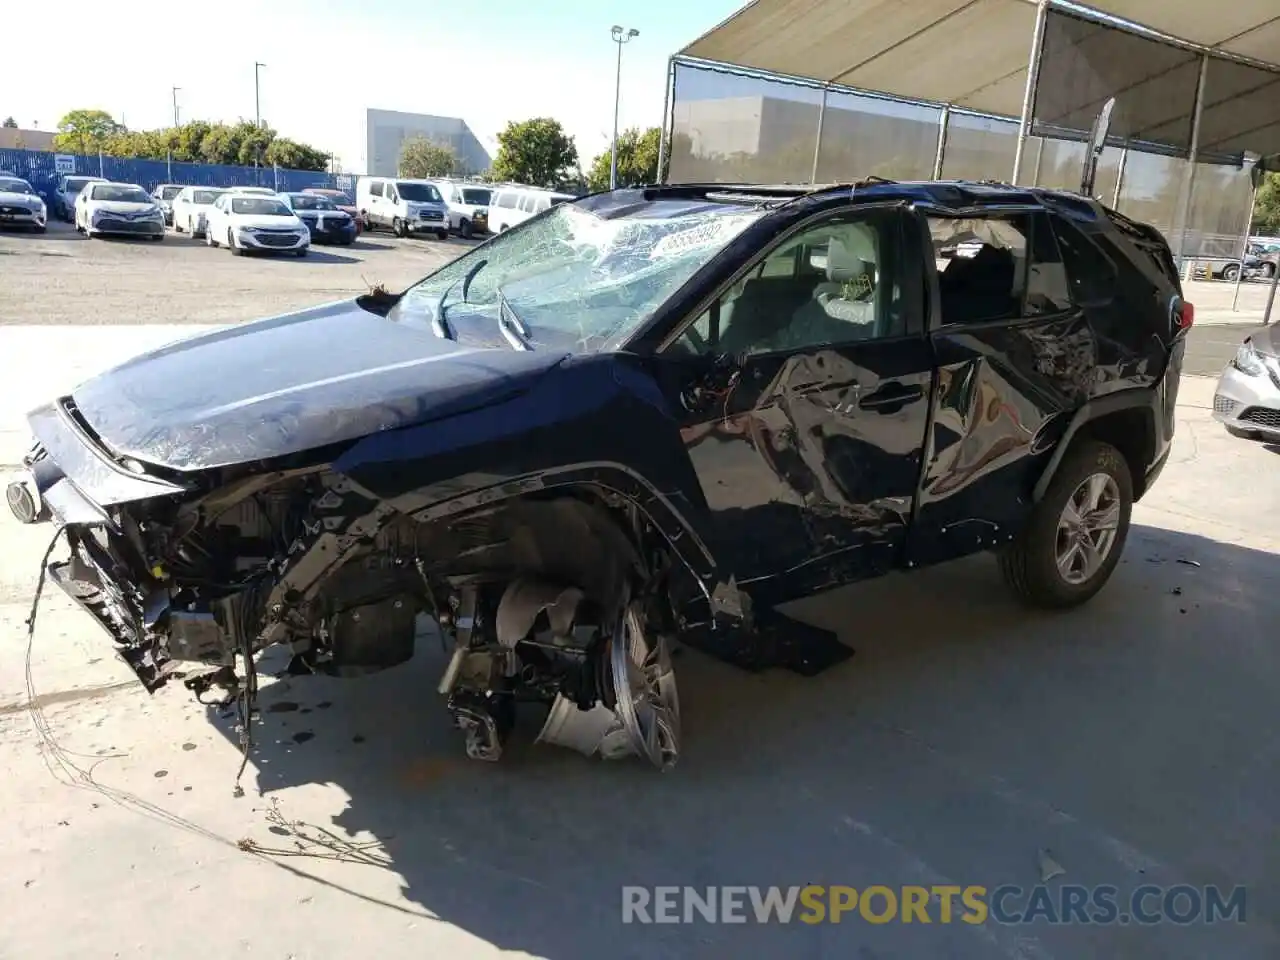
[{"x": 328, "y": 60}]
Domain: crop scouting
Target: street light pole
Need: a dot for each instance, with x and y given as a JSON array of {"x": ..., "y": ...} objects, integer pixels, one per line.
[
  {"x": 620, "y": 36},
  {"x": 175, "y": 105},
  {"x": 257, "y": 102}
]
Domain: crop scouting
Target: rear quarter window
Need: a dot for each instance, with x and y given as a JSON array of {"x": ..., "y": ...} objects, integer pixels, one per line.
[{"x": 1091, "y": 273}]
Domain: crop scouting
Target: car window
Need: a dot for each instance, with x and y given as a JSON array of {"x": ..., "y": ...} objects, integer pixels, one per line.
[
  {"x": 375, "y": 189},
  {"x": 507, "y": 200},
  {"x": 837, "y": 282},
  {"x": 983, "y": 267},
  {"x": 1091, "y": 272},
  {"x": 542, "y": 203}
]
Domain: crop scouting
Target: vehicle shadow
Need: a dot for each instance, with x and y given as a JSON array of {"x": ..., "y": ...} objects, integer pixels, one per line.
[
  {"x": 363, "y": 244},
  {"x": 965, "y": 734},
  {"x": 314, "y": 256}
]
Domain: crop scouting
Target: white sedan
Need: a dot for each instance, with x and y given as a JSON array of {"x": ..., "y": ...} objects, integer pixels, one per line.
[
  {"x": 246, "y": 222},
  {"x": 191, "y": 209},
  {"x": 121, "y": 208}
]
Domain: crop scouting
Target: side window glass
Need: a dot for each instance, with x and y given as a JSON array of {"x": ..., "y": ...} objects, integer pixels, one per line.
[
  {"x": 1047, "y": 288},
  {"x": 982, "y": 267},
  {"x": 834, "y": 283},
  {"x": 1091, "y": 272},
  {"x": 542, "y": 204},
  {"x": 375, "y": 189}
]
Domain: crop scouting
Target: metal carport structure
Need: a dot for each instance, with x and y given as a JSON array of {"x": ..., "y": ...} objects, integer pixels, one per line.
[{"x": 961, "y": 88}]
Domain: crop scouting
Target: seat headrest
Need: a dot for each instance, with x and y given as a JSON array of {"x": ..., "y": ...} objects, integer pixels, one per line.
[{"x": 851, "y": 255}]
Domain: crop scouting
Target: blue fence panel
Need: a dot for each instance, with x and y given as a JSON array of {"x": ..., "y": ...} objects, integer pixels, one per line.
[{"x": 40, "y": 169}]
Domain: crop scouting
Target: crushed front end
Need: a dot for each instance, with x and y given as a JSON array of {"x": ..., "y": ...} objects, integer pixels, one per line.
[{"x": 556, "y": 601}]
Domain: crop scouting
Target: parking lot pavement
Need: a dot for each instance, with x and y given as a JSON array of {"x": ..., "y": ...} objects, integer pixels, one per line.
[
  {"x": 1134, "y": 741},
  {"x": 62, "y": 278}
]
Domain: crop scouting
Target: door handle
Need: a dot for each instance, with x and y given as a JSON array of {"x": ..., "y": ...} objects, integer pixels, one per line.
[{"x": 891, "y": 397}]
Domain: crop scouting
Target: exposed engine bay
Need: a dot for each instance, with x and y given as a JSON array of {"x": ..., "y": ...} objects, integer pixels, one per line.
[{"x": 556, "y": 601}]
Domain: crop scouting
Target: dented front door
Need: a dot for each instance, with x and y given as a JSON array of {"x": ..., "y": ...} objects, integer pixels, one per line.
[{"x": 807, "y": 432}]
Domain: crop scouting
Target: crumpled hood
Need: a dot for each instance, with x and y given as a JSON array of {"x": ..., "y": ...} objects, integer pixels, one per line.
[{"x": 293, "y": 383}]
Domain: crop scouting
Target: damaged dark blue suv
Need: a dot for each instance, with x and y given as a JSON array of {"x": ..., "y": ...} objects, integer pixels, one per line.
[{"x": 646, "y": 415}]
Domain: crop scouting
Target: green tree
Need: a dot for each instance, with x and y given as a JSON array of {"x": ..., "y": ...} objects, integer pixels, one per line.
[
  {"x": 537, "y": 152},
  {"x": 84, "y": 131},
  {"x": 421, "y": 158},
  {"x": 1266, "y": 211},
  {"x": 637, "y": 160},
  {"x": 11, "y": 123}
]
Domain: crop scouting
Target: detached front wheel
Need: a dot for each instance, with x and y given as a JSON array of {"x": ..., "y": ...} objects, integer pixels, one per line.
[{"x": 1074, "y": 537}]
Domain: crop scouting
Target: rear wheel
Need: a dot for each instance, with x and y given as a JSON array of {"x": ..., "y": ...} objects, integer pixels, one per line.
[
  {"x": 397, "y": 227},
  {"x": 1073, "y": 539},
  {"x": 1231, "y": 272}
]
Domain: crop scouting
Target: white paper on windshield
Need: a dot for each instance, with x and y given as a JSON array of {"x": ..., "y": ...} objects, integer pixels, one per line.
[{"x": 716, "y": 232}]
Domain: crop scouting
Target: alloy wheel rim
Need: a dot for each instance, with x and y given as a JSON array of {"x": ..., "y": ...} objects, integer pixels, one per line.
[
  {"x": 1087, "y": 528},
  {"x": 645, "y": 689}
]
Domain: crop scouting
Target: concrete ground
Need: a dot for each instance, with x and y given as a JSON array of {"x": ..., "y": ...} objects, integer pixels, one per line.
[{"x": 1134, "y": 741}]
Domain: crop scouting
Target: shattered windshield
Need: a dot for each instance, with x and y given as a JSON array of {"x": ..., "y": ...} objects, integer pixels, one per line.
[{"x": 574, "y": 278}]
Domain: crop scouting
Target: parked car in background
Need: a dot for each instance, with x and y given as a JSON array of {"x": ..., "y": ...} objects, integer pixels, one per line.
[
  {"x": 403, "y": 206},
  {"x": 20, "y": 205},
  {"x": 191, "y": 209},
  {"x": 245, "y": 222},
  {"x": 326, "y": 222},
  {"x": 1247, "y": 398},
  {"x": 342, "y": 200},
  {"x": 163, "y": 196},
  {"x": 64, "y": 197},
  {"x": 103, "y": 207},
  {"x": 513, "y": 204},
  {"x": 468, "y": 205}
]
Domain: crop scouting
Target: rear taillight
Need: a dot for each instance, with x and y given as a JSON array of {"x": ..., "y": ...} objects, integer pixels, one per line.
[{"x": 1181, "y": 314}]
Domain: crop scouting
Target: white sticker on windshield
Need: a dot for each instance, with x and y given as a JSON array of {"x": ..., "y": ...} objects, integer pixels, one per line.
[{"x": 714, "y": 233}]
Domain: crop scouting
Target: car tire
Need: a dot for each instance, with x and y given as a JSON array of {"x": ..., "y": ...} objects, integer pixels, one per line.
[
  {"x": 1053, "y": 563},
  {"x": 1230, "y": 273},
  {"x": 466, "y": 230},
  {"x": 176, "y": 228},
  {"x": 1268, "y": 270},
  {"x": 231, "y": 245},
  {"x": 39, "y": 228},
  {"x": 442, "y": 234},
  {"x": 397, "y": 227},
  {"x": 208, "y": 238},
  {"x": 301, "y": 253}
]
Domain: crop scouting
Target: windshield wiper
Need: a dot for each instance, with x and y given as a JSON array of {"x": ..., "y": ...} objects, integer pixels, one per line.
[
  {"x": 438, "y": 322},
  {"x": 513, "y": 328}
]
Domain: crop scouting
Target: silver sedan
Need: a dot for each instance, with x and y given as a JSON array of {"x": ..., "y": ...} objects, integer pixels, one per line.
[{"x": 1247, "y": 399}]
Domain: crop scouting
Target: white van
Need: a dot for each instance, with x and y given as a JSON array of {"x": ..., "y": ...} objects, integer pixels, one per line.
[
  {"x": 403, "y": 206},
  {"x": 468, "y": 205},
  {"x": 514, "y": 204}
]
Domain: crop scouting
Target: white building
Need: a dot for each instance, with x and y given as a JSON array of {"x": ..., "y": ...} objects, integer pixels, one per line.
[{"x": 386, "y": 130}]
